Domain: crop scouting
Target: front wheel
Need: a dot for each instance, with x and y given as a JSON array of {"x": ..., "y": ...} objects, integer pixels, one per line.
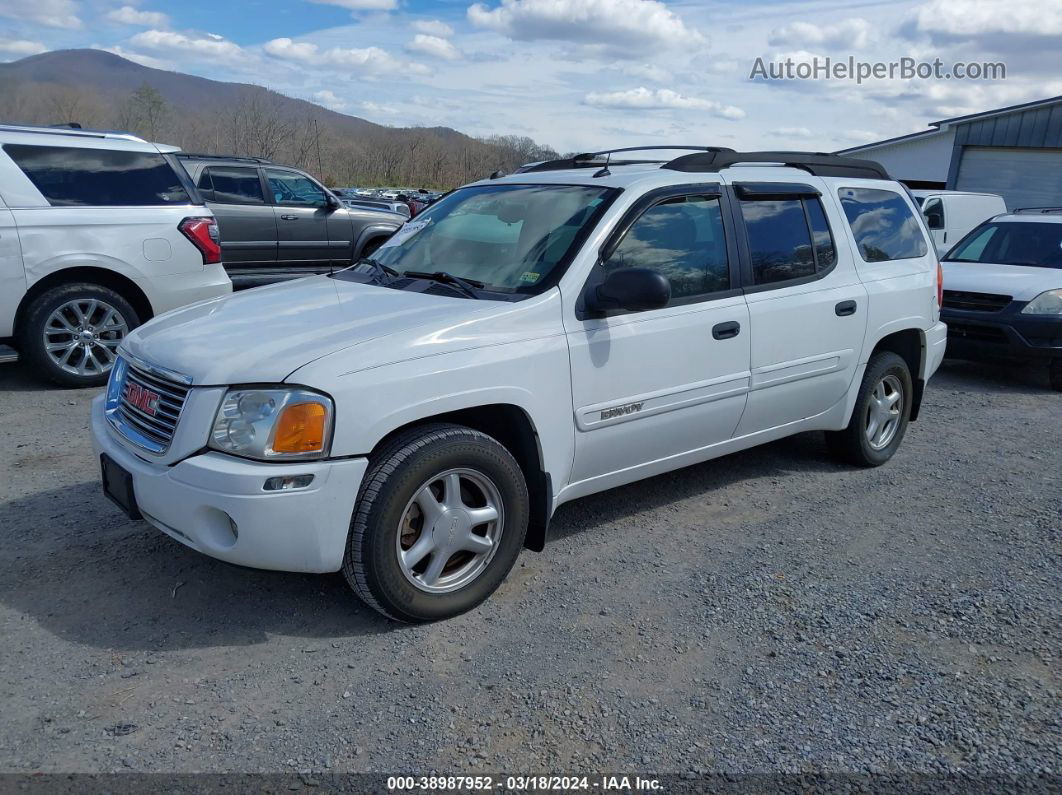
[
  {"x": 881, "y": 414},
  {"x": 440, "y": 520}
]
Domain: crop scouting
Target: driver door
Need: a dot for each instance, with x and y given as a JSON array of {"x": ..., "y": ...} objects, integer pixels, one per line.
[{"x": 302, "y": 213}]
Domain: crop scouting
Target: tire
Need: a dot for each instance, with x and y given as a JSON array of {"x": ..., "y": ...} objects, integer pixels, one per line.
[
  {"x": 1054, "y": 372},
  {"x": 389, "y": 524},
  {"x": 66, "y": 315},
  {"x": 371, "y": 247},
  {"x": 886, "y": 374}
]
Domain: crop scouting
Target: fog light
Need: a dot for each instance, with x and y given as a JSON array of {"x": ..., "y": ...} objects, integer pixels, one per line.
[{"x": 288, "y": 482}]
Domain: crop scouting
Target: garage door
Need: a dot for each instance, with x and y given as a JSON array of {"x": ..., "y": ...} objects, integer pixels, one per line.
[{"x": 1023, "y": 177}]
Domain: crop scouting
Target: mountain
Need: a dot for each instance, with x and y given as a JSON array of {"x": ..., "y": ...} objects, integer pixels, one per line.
[{"x": 100, "y": 89}]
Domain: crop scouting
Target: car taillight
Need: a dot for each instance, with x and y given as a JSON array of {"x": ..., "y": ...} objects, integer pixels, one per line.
[
  {"x": 203, "y": 232},
  {"x": 940, "y": 285}
]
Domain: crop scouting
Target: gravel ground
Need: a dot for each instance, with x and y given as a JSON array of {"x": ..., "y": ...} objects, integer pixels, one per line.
[{"x": 770, "y": 611}]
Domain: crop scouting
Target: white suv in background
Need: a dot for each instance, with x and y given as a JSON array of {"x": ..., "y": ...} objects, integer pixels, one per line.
[
  {"x": 414, "y": 421},
  {"x": 99, "y": 232}
]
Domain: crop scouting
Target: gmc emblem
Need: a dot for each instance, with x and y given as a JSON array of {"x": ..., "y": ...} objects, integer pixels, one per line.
[{"x": 142, "y": 398}]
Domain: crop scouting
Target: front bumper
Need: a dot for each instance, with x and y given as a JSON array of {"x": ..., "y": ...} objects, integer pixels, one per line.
[
  {"x": 215, "y": 503},
  {"x": 1006, "y": 334}
]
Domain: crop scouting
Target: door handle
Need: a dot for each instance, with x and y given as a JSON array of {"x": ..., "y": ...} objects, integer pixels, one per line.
[
  {"x": 725, "y": 331},
  {"x": 289, "y": 218},
  {"x": 845, "y": 308}
]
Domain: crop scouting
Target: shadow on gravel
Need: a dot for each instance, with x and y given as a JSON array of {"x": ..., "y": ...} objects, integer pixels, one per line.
[
  {"x": 1026, "y": 378},
  {"x": 18, "y": 378},
  {"x": 92, "y": 577}
]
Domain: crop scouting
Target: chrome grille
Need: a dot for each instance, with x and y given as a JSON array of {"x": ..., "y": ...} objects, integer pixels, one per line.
[
  {"x": 975, "y": 302},
  {"x": 160, "y": 427}
]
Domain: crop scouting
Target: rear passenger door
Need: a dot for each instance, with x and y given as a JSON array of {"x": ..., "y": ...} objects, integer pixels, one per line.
[
  {"x": 302, "y": 212},
  {"x": 807, "y": 306},
  {"x": 245, "y": 221}
]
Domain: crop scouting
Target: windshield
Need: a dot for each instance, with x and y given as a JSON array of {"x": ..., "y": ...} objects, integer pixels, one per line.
[
  {"x": 510, "y": 238},
  {"x": 1012, "y": 243}
]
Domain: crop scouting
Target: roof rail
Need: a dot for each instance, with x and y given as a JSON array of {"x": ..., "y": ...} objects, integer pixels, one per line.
[
  {"x": 821, "y": 164},
  {"x": 239, "y": 158},
  {"x": 1038, "y": 210},
  {"x": 66, "y": 129},
  {"x": 598, "y": 159}
]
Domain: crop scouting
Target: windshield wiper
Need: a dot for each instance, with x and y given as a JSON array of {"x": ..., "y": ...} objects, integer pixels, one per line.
[
  {"x": 379, "y": 270},
  {"x": 466, "y": 286}
]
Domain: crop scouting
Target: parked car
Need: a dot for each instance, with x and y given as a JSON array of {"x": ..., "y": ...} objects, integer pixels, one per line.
[
  {"x": 99, "y": 232},
  {"x": 415, "y": 421},
  {"x": 280, "y": 223},
  {"x": 950, "y": 214},
  {"x": 1003, "y": 290}
]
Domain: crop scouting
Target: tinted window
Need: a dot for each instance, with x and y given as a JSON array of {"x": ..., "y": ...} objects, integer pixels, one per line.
[
  {"x": 682, "y": 239},
  {"x": 1012, "y": 243},
  {"x": 883, "y": 224},
  {"x": 291, "y": 188},
  {"x": 69, "y": 176},
  {"x": 235, "y": 185},
  {"x": 779, "y": 240},
  {"x": 825, "y": 253}
]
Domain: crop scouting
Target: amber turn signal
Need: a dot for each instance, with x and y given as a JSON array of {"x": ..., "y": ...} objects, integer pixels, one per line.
[{"x": 301, "y": 429}]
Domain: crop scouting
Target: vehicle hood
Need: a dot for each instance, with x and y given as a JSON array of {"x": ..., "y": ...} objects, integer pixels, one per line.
[
  {"x": 264, "y": 335},
  {"x": 1021, "y": 282}
]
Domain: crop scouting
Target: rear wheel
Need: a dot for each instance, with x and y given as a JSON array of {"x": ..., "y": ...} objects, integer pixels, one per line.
[
  {"x": 881, "y": 413},
  {"x": 71, "y": 333},
  {"x": 440, "y": 520}
]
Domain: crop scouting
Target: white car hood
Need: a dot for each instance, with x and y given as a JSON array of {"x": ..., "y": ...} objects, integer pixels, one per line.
[
  {"x": 264, "y": 335},
  {"x": 1021, "y": 282}
]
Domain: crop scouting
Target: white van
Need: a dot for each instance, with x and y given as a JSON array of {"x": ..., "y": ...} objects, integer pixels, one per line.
[
  {"x": 950, "y": 214},
  {"x": 99, "y": 232}
]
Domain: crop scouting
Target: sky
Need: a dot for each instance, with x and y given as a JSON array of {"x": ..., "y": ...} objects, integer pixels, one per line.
[{"x": 582, "y": 74}]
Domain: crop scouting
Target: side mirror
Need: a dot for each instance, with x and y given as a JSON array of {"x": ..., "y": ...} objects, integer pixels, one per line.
[
  {"x": 633, "y": 289},
  {"x": 935, "y": 220},
  {"x": 332, "y": 203}
]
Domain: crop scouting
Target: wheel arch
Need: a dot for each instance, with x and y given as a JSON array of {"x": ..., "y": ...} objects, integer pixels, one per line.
[
  {"x": 910, "y": 345},
  {"x": 513, "y": 428},
  {"x": 112, "y": 280}
]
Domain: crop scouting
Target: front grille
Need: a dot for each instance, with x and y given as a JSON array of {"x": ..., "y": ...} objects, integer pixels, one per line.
[
  {"x": 975, "y": 302},
  {"x": 160, "y": 427}
]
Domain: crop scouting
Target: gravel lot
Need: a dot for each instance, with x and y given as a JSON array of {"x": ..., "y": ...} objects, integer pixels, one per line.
[{"x": 771, "y": 611}]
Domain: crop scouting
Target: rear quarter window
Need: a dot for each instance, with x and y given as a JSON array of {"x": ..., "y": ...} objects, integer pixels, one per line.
[
  {"x": 80, "y": 177},
  {"x": 882, "y": 224}
]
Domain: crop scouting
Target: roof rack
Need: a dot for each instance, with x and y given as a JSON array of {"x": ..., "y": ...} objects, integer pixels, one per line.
[
  {"x": 598, "y": 159},
  {"x": 1038, "y": 210},
  {"x": 238, "y": 158},
  {"x": 66, "y": 129},
  {"x": 821, "y": 164}
]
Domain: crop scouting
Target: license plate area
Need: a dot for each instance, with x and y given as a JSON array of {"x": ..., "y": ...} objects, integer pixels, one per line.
[{"x": 118, "y": 486}]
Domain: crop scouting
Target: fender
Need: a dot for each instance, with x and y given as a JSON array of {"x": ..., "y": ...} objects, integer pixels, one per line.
[{"x": 371, "y": 231}]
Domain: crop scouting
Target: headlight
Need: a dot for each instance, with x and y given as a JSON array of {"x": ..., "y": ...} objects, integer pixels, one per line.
[
  {"x": 1049, "y": 303},
  {"x": 273, "y": 424}
]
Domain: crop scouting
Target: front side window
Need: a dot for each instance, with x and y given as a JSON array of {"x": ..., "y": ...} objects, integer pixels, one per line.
[
  {"x": 295, "y": 189},
  {"x": 233, "y": 185},
  {"x": 510, "y": 238},
  {"x": 681, "y": 238},
  {"x": 933, "y": 210},
  {"x": 82, "y": 177},
  {"x": 883, "y": 225},
  {"x": 788, "y": 239},
  {"x": 1012, "y": 243}
]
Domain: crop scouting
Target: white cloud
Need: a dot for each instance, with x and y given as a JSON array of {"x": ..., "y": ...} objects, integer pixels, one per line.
[
  {"x": 853, "y": 33},
  {"x": 860, "y": 136},
  {"x": 623, "y": 27},
  {"x": 138, "y": 57},
  {"x": 52, "y": 13},
  {"x": 360, "y": 5},
  {"x": 372, "y": 107},
  {"x": 660, "y": 99},
  {"x": 433, "y": 46},
  {"x": 329, "y": 100},
  {"x": 792, "y": 132},
  {"x": 180, "y": 44},
  {"x": 368, "y": 60},
  {"x": 433, "y": 27},
  {"x": 975, "y": 18},
  {"x": 647, "y": 71},
  {"x": 21, "y": 47},
  {"x": 127, "y": 15}
]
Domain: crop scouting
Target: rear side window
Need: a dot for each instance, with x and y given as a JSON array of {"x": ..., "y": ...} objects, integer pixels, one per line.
[
  {"x": 76, "y": 177},
  {"x": 788, "y": 239},
  {"x": 883, "y": 225},
  {"x": 232, "y": 185}
]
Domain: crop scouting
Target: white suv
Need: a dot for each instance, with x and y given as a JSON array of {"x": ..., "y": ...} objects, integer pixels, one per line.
[
  {"x": 530, "y": 339},
  {"x": 99, "y": 232}
]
